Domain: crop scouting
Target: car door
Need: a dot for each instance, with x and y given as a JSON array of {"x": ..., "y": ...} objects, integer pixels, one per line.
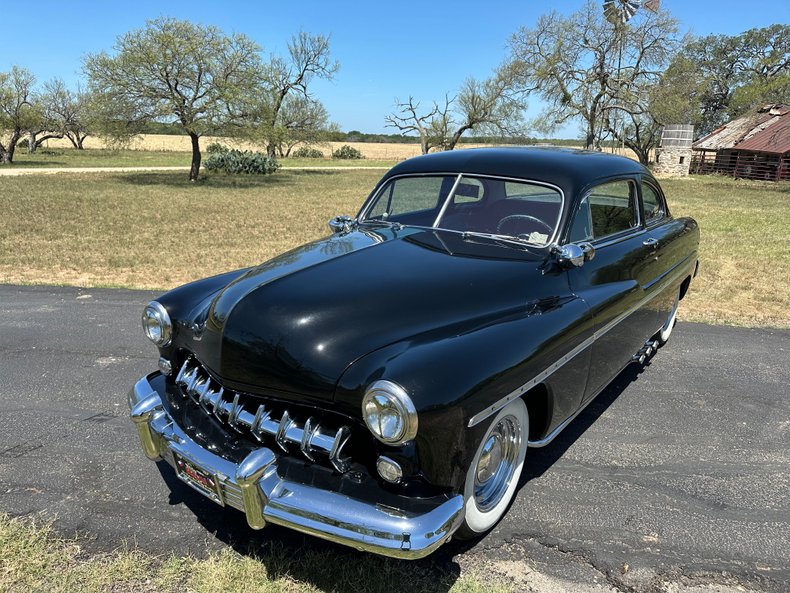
[
  {"x": 662, "y": 231},
  {"x": 613, "y": 282}
]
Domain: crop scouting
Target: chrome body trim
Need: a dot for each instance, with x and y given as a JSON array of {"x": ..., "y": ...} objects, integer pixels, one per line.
[
  {"x": 255, "y": 487},
  {"x": 543, "y": 375},
  {"x": 449, "y": 197}
]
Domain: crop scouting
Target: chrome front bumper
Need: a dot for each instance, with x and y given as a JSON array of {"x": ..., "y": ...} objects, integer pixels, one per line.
[{"x": 254, "y": 487}]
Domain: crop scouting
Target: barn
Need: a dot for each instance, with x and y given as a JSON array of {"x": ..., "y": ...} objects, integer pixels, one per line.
[{"x": 754, "y": 146}]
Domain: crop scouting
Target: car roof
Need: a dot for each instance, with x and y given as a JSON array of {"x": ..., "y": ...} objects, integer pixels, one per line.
[{"x": 568, "y": 168}]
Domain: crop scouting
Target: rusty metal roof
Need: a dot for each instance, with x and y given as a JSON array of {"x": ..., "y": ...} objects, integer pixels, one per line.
[{"x": 767, "y": 130}]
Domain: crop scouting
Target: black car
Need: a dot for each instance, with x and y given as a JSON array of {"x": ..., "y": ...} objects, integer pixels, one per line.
[{"x": 380, "y": 387}]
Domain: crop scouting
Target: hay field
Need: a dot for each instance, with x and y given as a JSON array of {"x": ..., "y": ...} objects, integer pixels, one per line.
[{"x": 385, "y": 151}]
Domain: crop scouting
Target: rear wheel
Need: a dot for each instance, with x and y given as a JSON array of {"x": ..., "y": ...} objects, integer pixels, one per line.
[
  {"x": 669, "y": 325},
  {"x": 493, "y": 475}
]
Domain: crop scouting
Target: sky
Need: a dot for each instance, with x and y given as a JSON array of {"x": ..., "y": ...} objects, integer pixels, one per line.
[{"x": 386, "y": 50}]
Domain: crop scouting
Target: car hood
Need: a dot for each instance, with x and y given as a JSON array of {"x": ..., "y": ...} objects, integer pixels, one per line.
[{"x": 293, "y": 324}]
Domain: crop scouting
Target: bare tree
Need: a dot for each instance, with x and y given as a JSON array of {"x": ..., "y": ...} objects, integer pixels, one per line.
[
  {"x": 309, "y": 57},
  {"x": 17, "y": 113},
  {"x": 173, "y": 70},
  {"x": 408, "y": 120},
  {"x": 491, "y": 105},
  {"x": 584, "y": 67}
]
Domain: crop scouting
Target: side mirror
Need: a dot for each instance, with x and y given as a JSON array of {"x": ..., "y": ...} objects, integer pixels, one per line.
[
  {"x": 340, "y": 224},
  {"x": 571, "y": 256},
  {"x": 588, "y": 249}
]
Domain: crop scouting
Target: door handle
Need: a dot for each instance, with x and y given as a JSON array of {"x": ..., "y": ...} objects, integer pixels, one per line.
[{"x": 651, "y": 242}]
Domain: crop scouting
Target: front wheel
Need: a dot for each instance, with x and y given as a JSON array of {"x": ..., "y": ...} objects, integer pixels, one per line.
[{"x": 495, "y": 469}]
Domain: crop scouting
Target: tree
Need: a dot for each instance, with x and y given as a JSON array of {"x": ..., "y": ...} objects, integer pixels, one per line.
[
  {"x": 17, "y": 113},
  {"x": 573, "y": 61},
  {"x": 408, "y": 120},
  {"x": 739, "y": 72},
  {"x": 69, "y": 112},
  {"x": 491, "y": 106},
  {"x": 302, "y": 120},
  {"x": 285, "y": 88},
  {"x": 173, "y": 70}
]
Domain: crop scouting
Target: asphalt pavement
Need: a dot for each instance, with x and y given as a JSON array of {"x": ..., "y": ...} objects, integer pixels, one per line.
[{"x": 678, "y": 475}]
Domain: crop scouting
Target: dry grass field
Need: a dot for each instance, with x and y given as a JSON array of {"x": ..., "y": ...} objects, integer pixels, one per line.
[
  {"x": 387, "y": 151},
  {"x": 156, "y": 230}
]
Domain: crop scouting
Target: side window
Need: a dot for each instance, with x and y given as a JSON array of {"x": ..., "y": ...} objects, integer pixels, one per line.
[
  {"x": 581, "y": 229},
  {"x": 653, "y": 204},
  {"x": 612, "y": 208}
]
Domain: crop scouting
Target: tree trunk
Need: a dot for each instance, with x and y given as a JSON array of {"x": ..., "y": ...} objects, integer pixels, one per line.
[
  {"x": 7, "y": 153},
  {"x": 32, "y": 145},
  {"x": 589, "y": 142},
  {"x": 76, "y": 139},
  {"x": 194, "y": 171},
  {"x": 423, "y": 144}
]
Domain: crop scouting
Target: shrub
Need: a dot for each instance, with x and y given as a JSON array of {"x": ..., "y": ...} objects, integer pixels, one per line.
[
  {"x": 238, "y": 162},
  {"x": 347, "y": 152},
  {"x": 307, "y": 152},
  {"x": 216, "y": 148}
]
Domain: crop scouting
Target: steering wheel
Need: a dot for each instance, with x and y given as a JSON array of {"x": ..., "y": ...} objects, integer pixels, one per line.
[{"x": 515, "y": 217}]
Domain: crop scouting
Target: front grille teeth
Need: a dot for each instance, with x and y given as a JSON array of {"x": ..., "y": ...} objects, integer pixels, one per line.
[{"x": 226, "y": 406}]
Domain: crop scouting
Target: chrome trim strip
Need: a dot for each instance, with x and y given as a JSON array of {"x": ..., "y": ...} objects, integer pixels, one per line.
[
  {"x": 447, "y": 200},
  {"x": 254, "y": 487},
  {"x": 540, "y": 377}
]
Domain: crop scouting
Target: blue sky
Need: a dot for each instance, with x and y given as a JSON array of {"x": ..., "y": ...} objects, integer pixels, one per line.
[{"x": 386, "y": 49}]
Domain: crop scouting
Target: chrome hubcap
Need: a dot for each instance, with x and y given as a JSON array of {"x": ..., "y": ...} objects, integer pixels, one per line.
[{"x": 497, "y": 463}]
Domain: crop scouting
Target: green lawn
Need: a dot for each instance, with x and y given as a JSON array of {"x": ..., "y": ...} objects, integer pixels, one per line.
[
  {"x": 96, "y": 157},
  {"x": 157, "y": 230},
  {"x": 35, "y": 559}
]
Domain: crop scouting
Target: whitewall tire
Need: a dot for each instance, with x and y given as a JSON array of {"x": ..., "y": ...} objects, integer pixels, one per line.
[
  {"x": 494, "y": 472},
  {"x": 669, "y": 325}
]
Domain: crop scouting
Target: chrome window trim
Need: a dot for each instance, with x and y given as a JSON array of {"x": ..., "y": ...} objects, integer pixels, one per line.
[
  {"x": 551, "y": 369},
  {"x": 665, "y": 216},
  {"x": 551, "y": 240},
  {"x": 612, "y": 238}
]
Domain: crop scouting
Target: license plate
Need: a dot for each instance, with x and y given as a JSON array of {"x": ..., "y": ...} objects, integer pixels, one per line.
[{"x": 201, "y": 480}]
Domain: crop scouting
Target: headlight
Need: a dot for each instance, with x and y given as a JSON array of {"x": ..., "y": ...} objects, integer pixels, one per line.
[
  {"x": 156, "y": 324},
  {"x": 389, "y": 413}
]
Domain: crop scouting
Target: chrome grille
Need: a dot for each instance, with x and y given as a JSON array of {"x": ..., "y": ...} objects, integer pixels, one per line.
[{"x": 226, "y": 406}]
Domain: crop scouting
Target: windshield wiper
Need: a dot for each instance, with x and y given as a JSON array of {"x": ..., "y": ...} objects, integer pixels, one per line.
[
  {"x": 501, "y": 239},
  {"x": 378, "y": 222}
]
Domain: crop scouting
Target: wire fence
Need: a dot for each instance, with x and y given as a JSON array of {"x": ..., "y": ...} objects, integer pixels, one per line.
[{"x": 747, "y": 165}]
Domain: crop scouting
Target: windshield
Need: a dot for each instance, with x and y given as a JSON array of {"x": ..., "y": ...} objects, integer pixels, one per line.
[{"x": 528, "y": 211}]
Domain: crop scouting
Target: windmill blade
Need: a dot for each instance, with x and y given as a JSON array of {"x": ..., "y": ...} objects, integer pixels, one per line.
[
  {"x": 619, "y": 12},
  {"x": 652, "y": 5}
]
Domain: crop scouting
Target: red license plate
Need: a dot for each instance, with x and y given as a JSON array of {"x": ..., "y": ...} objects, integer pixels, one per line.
[{"x": 201, "y": 480}]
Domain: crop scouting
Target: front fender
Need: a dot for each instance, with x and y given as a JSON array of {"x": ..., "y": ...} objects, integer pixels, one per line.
[{"x": 454, "y": 376}]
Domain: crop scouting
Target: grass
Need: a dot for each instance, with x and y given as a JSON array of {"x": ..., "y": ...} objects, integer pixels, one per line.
[
  {"x": 100, "y": 157},
  {"x": 34, "y": 558},
  {"x": 156, "y": 230}
]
